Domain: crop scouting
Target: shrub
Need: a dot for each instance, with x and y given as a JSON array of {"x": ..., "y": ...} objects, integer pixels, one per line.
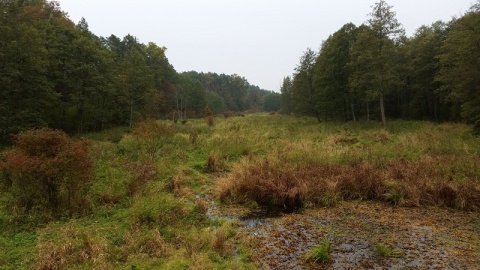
[
  {"x": 209, "y": 116},
  {"x": 151, "y": 136},
  {"x": 142, "y": 172},
  {"x": 47, "y": 173}
]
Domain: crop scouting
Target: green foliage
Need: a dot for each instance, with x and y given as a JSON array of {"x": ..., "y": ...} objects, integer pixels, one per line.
[
  {"x": 319, "y": 253},
  {"x": 286, "y": 95},
  {"x": 61, "y": 75},
  {"x": 271, "y": 102},
  {"x": 374, "y": 71},
  {"x": 332, "y": 71},
  {"x": 48, "y": 174},
  {"x": 304, "y": 93},
  {"x": 26, "y": 94},
  {"x": 458, "y": 63}
]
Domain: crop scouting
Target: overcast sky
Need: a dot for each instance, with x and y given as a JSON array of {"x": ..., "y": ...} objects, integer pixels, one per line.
[{"x": 261, "y": 40}]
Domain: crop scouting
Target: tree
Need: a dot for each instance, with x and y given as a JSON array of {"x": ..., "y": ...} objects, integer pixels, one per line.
[
  {"x": 304, "y": 93},
  {"x": 459, "y": 65},
  {"x": 134, "y": 78},
  {"x": 424, "y": 98},
  {"x": 272, "y": 102},
  {"x": 26, "y": 94},
  {"x": 331, "y": 75},
  {"x": 89, "y": 76},
  {"x": 374, "y": 55},
  {"x": 286, "y": 95}
]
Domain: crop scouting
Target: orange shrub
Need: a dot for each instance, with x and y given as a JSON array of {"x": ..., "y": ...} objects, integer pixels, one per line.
[{"x": 47, "y": 173}]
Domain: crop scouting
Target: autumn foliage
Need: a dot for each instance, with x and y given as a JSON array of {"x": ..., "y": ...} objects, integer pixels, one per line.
[{"x": 47, "y": 173}]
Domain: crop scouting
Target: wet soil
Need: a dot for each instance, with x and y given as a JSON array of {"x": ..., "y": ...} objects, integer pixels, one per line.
[{"x": 424, "y": 238}]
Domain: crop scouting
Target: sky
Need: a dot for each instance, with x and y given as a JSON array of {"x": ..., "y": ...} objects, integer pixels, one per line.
[{"x": 261, "y": 40}]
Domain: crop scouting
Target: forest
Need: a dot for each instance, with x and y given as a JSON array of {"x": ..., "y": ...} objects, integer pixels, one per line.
[
  {"x": 374, "y": 71},
  {"x": 369, "y": 158},
  {"x": 57, "y": 74}
]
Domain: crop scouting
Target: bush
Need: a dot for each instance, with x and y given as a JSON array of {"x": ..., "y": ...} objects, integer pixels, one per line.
[
  {"x": 47, "y": 173},
  {"x": 151, "y": 135}
]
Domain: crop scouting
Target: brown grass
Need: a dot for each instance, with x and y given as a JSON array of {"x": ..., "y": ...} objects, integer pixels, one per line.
[
  {"x": 210, "y": 120},
  {"x": 71, "y": 248},
  {"x": 213, "y": 162},
  {"x": 150, "y": 244},
  {"x": 179, "y": 186},
  {"x": 202, "y": 205},
  {"x": 276, "y": 181}
]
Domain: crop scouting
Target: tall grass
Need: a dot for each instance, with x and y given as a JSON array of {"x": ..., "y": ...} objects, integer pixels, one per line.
[{"x": 411, "y": 164}]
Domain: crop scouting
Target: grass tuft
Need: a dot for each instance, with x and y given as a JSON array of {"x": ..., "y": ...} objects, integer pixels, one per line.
[
  {"x": 385, "y": 250},
  {"x": 319, "y": 253}
]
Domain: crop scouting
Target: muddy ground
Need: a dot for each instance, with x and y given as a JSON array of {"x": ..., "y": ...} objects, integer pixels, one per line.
[{"x": 421, "y": 238}]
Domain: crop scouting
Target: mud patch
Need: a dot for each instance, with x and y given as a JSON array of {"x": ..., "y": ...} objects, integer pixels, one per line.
[{"x": 427, "y": 238}]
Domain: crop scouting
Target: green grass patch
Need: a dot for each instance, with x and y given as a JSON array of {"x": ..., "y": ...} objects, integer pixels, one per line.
[{"x": 319, "y": 253}]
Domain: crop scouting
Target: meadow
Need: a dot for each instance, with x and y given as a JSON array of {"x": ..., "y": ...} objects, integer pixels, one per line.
[{"x": 149, "y": 203}]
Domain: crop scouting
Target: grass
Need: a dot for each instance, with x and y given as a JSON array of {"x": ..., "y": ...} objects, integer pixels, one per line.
[
  {"x": 421, "y": 164},
  {"x": 148, "y": 197},
  {"x": 385, "y": 250},
  {"x": 319, "y": 253}
]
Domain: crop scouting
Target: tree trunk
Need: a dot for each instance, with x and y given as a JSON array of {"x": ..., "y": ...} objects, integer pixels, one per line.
[
  {"x": 353, "y": 112},
  {"x": 131, "y": 115},
  {"x": 368, "y": 111},
  {"x": 382, "y": 111},
  {"x": 81, "y": 107}
]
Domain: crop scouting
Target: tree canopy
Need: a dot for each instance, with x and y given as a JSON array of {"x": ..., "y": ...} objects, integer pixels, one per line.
[
  {"x": 374, "y": 71},
  {"x": 58, "y": 74}
]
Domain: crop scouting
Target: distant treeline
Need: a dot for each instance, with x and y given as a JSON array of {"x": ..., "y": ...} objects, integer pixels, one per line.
[
  {"x": 374, "y": 71},
  {"x": 56, "y": 74}
]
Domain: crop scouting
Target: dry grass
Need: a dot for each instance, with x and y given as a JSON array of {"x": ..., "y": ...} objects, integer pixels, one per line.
[
  {"x": 179, "y": 185},
  {"x": 140, "y": 244},
  {"x": 72, "y": 248},
  {"x": 213, "y": 162},
  {"x": 276, "y": 181}
]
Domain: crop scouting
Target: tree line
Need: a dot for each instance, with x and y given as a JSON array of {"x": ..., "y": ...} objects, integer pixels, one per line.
[
  {"x": 58, "y": 74},
  {"x": 374, "y": 71}
]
